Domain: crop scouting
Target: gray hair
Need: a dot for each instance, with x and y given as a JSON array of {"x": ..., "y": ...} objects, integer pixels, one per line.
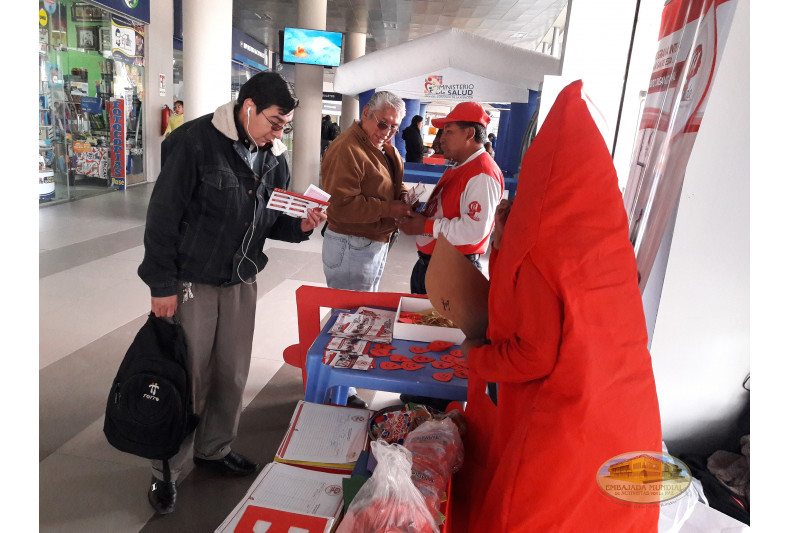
[{"x": 384, "y": 99}]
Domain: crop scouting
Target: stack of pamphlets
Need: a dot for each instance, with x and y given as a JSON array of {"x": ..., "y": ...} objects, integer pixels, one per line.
[
  {"x": 368, "y": 324},
  {"x": 288, "y": 498},
  {"x": 329, "y": 438},
  {"x": 341, "y": 352}
]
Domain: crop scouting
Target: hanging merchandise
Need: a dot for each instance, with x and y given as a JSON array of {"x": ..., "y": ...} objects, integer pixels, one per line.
[
  {"x": 128, "y": 43},
  {"x": 692, "y": 39}
]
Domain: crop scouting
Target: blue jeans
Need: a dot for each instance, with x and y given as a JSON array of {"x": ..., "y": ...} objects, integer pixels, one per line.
[{"x": 353, "y": 263}]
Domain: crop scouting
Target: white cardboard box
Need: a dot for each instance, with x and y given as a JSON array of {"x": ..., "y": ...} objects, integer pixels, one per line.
[{"x": 416, "y": 332}]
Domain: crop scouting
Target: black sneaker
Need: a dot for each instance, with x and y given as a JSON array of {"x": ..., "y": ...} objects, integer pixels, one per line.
[
  {"x": 357, "y": 402},
  {"x": 162, "y": 496},
  {"x": 233, "y": 464}
]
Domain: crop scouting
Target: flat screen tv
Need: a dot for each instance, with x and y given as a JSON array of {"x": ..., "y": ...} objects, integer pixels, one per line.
[{"x": 312, "y": 47}]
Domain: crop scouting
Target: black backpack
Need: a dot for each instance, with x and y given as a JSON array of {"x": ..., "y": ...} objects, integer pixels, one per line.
[{"x": 149, "y": 410}]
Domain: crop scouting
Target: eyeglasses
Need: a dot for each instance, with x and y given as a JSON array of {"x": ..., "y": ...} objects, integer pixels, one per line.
[
  {"x": 382, "y": 125},
  {"x": 288, "y": 128}
]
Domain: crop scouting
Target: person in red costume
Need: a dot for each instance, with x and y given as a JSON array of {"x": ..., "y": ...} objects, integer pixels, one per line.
[{"x": 566, "y": 348}]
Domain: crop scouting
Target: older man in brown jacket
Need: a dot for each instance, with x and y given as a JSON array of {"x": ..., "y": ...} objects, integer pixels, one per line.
[{"x": 364, "y": 174}]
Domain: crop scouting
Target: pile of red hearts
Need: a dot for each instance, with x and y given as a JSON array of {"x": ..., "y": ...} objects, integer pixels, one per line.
[{"x": 453, "y": 360}]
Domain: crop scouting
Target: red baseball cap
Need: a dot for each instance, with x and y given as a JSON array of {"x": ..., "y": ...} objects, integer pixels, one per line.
[{"x": 464, "y": 112}]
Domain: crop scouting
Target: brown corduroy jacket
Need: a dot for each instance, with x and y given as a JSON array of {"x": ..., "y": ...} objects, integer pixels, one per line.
[{"x": 356, "y": 174}]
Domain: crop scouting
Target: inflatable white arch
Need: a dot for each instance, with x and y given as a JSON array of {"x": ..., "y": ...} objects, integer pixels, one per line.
[{"x": 450, "y": 65}]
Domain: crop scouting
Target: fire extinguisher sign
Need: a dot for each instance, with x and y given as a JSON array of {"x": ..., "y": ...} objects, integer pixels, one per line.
[{"x": 118, "y": 140}]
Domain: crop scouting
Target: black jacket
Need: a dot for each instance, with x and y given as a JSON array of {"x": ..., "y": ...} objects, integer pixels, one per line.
[
  {"x": 199, "y": 223},
  {"x": 414, "y": 147}
]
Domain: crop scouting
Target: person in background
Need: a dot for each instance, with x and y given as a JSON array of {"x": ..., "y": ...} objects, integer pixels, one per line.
[
  {"x": 437, "y": 141},
  {"x": 492, "y": 140},
  {"x": 412, "y": 136},
  {"x": 326, "y": 120},
  {"x": 363, "y": 173},
  {"x": 206, "y": 226},
  {"x": 489, "y": 149},
  {"x": 462, "y": 205},
  {"x": 176, "y": 119}
]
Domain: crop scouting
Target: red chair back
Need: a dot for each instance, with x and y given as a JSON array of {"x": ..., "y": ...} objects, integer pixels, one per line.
[{"x": 310, "y": 299}]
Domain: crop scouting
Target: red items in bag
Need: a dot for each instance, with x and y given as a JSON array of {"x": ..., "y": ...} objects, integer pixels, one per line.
[
  {"x": 389, "y": 502},
  {"x": 437, "y": 453}
]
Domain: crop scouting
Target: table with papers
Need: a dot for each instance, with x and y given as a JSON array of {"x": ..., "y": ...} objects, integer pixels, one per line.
[{"x": 328, "y": 384}]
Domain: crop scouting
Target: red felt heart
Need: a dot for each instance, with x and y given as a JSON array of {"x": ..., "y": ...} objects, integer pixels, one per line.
[
  {"x": 459, "y": 367},
  {"x": 379, "y": 353},
  {"x": 383, "y": 347},
  {"x": 448, "y": 358},
  {"x": 441, "y": 364},
  {"x": 389, "y": 365},
  {"x": 399, "y": 358},
  {"x": 418, "y": 349},
  {"x": 411, "y": 365},
  {"x": 461, "y": 374},
  {"x": 443, "y": 376},
  {"x": 456, "y": 353},
  {"x": 438, "y": 346},
  {"x": 422, "y": 359}
]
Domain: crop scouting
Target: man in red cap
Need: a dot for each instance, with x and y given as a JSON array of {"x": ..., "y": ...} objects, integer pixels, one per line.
[{"x": 461, "y": 206}]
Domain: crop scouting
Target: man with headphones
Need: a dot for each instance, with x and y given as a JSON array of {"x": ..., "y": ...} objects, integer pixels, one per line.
[{"x": 205, "y": 230}]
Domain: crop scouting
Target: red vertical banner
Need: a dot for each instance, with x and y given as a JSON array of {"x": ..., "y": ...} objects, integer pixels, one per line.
[
  {"x": 118, "y": 143},
  {"x": 692, "y": 38}
]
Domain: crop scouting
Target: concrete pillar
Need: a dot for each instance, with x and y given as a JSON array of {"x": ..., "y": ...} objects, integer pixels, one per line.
[
  {"x": 412, "y": 108},
  {"x": 159, "y": 37},
  {"x": 207, "y": 52},
  {"x": 354, "y": 48},
  {"x": 309, "y": 86}
]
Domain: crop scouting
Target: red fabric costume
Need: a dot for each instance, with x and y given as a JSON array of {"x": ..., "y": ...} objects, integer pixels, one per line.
[{"x": 568, "y": 349}]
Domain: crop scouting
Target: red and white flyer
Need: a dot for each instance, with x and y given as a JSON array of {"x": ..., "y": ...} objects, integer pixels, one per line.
[{"x": 296, "y": 205}]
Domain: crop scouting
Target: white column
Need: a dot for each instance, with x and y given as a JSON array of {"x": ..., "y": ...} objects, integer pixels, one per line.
[
  {"x": 159, "y": 37},
  {"x": 355, "y": 47},
  {"x": 309, "y": 86},
  {"x": 207, "y": 51}
]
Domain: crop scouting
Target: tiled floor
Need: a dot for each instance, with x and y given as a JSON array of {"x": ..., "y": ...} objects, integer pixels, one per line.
[{"x": 91, "y": 304}]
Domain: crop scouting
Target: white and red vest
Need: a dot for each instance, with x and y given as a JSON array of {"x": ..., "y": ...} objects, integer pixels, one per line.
[{"x": 462, "y": 205}]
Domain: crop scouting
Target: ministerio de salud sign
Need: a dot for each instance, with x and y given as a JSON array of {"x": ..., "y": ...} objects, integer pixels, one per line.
[{"x": 436, "y": 87}]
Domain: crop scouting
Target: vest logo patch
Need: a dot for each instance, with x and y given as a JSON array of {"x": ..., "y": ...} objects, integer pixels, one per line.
[{"x": 474, "y": 210}]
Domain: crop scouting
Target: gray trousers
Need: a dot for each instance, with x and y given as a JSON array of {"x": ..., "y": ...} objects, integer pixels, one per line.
[{"x": 218, "y": 325}]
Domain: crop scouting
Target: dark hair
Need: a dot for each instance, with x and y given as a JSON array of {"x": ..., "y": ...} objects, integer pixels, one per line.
[
  {"x": 267, "y": 89},
  {"x": 491, "y": 135},
  {"x": 416, "y": 119},
  {"x": 179, "y": 102},
  {"x": 480, "y": 130}
]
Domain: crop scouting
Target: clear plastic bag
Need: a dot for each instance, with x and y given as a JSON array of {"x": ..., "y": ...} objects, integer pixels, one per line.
[
  {"x": 437, "y": 453},
  {"x": 389, "y": 502}
]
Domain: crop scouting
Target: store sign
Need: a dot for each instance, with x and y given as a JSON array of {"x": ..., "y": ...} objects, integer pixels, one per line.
[
  {"x": 137, "y": 9},
  {"x": 128, "y": 43},
  {"x": 247, "y": 50},
  {"x": 436, "y": 87},
  {"x": 42, "y": 17},
  {"x": 118, "y": 143}
]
